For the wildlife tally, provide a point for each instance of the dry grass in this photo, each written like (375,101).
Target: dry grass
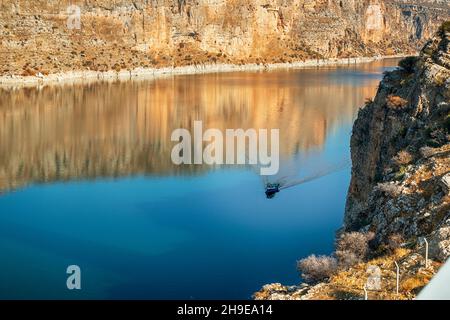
(349,284)
(415,284)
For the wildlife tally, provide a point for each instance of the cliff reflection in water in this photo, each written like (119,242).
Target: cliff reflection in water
(119,129)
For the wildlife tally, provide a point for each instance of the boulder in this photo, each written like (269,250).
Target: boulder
(445,183)
(439,248)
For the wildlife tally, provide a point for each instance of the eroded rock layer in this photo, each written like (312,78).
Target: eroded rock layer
(43,36)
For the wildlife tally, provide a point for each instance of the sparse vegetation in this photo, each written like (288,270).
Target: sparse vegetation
(415,283)
(440,79)
(403,158)
(395,241)
(317,268)
(347,258)
(396,102)
(349,283)
(352,248)
(401,172)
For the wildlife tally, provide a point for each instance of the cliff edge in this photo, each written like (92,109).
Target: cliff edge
(399,191)
(401,152)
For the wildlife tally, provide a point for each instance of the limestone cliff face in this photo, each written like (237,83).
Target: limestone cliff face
(38,36)
(401,152)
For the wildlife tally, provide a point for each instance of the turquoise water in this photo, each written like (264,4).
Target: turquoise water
(148,230)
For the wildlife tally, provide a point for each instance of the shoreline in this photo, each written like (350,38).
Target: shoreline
(72,77)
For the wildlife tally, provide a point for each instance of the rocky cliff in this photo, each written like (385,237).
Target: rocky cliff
(47,36)
(401,152)
(400,188)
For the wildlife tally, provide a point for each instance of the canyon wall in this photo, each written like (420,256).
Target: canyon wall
(47,36)
(401,153)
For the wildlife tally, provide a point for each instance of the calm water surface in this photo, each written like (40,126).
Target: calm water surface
(86,179)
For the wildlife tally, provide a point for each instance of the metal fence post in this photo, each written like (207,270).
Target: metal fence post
(426,252)
(398,276)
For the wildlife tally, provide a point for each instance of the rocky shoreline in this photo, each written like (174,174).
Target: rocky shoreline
(14,81)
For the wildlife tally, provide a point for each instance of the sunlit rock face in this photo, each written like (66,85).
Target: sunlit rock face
(121,34)
(374,26)
(119,129)
(400,152)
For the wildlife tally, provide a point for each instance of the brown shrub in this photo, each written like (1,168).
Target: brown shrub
(317,268)
(395,242)
(347,258)
(403,158)
(352,248)
(396,102)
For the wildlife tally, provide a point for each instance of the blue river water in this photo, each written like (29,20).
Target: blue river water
(139,227)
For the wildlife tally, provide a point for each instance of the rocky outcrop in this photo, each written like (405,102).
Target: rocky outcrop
(40,37)
(445,183)
(401,152)
(440,243)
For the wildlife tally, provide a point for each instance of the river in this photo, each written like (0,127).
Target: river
(86,179)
